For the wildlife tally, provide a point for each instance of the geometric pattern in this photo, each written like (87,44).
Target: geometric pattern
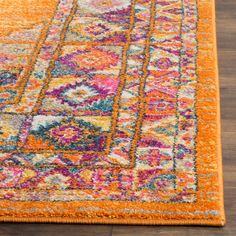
(66,134)
(109,110)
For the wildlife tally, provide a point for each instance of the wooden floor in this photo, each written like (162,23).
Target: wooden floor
(226,27)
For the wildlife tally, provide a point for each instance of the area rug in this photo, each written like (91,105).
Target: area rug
(109,112)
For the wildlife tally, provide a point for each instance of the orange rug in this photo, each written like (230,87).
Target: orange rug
(110,112)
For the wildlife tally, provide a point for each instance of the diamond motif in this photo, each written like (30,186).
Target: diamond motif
(68,134)
(74,94)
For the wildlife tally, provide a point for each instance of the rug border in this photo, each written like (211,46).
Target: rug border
(220,157)
(209,222)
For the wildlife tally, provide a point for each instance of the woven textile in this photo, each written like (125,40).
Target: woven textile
(109,112)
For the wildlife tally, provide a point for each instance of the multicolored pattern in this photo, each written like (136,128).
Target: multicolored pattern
(109,113)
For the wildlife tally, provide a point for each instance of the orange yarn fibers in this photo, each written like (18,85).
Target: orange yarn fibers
(110,112)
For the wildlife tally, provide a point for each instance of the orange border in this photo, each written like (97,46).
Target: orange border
(209,164)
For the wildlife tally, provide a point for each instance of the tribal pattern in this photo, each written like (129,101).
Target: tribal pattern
(110,103)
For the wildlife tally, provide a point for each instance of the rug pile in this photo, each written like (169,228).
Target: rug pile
(109,112)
